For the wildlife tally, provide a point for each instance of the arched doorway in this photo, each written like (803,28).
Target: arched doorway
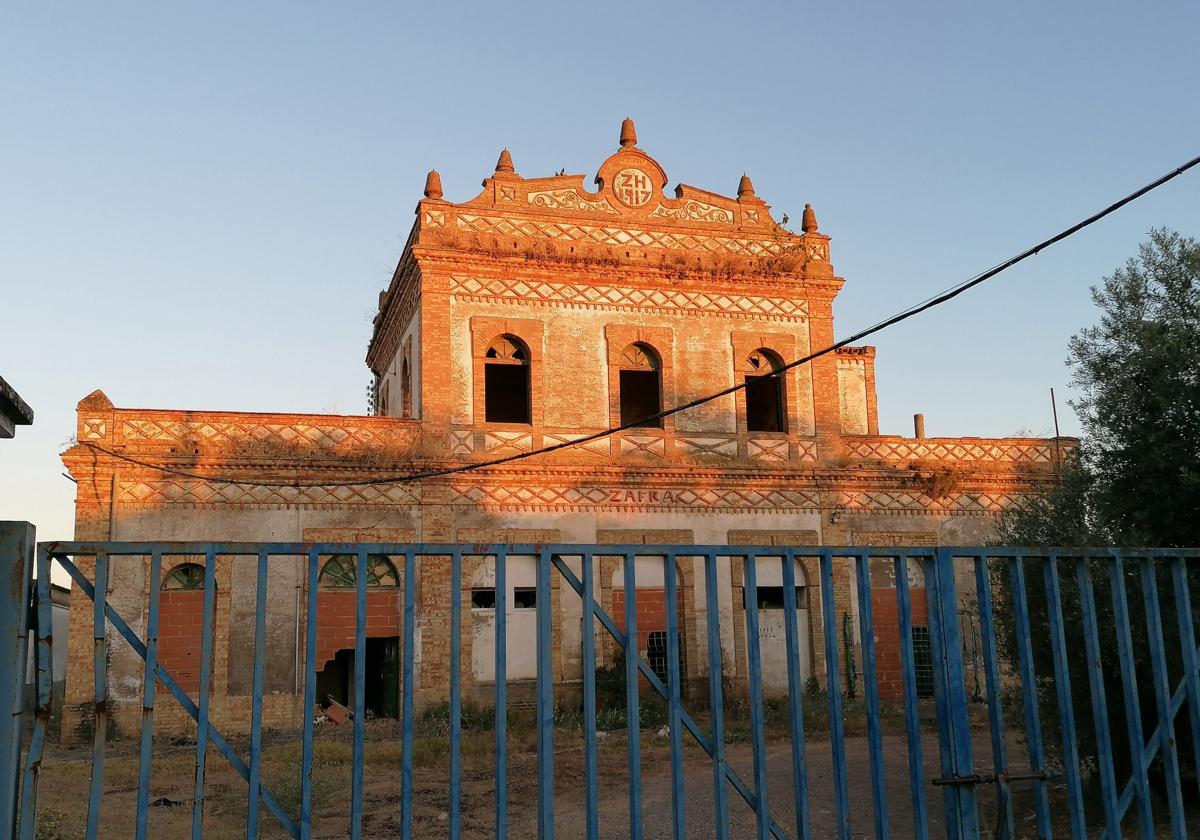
(336,617)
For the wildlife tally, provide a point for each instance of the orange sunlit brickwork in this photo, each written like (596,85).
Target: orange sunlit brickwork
(537,312)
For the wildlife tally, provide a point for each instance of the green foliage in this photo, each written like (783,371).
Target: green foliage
(1134,481)
(435,720)
(610,699)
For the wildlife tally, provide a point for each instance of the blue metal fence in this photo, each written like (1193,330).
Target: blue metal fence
(1052,777)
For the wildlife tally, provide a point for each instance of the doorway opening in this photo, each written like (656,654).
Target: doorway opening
(381,696)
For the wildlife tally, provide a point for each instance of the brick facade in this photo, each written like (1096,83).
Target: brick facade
(708,285)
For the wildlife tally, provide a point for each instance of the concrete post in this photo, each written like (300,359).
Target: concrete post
(18,541)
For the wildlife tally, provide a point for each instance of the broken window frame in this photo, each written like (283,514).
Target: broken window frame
(481,593)
(765,383)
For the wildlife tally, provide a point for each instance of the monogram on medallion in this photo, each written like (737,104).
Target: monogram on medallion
(633,187)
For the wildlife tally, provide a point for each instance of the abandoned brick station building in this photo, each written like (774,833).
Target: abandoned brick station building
(533,314)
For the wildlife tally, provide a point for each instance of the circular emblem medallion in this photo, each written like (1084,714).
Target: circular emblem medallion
(633,187)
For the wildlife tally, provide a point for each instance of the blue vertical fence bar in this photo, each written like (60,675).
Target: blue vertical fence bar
(716,701)
(100,681)
(591,772)
(310,695)
(912,710)
(37,741)
(758,740)
(149,683)
(833,690)
(862,565)
(18,542)
(260,655)
(1104,755)
(962,806)
(1187,641)
(202,723)
(406,710)
(633,721)
(501,696)
(545,699)
(795,696)
(361,563)
(1033,719)
(954,724)
(1162,697)
(1062,685)
(991,670)
(455,816)
(675,700)
(1133,710)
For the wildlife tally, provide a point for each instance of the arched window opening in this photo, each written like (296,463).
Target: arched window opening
(405,389)
(341,572)
(506,382)
(381,410)
(640,384)
(183,577)
(766,395)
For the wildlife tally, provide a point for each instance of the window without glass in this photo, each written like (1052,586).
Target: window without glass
(640,382)
(765,394)
(483,599)
(524,598)
(405,389)
(771,597)
(506,381)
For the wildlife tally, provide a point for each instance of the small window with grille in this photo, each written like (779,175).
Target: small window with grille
(922,661)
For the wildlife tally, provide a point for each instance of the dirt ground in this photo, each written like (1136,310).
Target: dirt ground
(66,772)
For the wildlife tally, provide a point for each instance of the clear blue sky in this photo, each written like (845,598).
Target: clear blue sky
(199,205)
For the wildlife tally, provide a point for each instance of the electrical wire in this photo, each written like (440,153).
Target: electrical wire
(911,312)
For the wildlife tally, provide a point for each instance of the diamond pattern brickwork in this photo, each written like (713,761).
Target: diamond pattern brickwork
(628,297)
(952,449)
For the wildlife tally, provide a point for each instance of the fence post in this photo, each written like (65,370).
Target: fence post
(17,543)
(954,722)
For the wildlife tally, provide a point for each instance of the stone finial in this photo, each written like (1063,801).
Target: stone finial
(808,223)
(505,163)
(628,133)
(745,186)
(433,184)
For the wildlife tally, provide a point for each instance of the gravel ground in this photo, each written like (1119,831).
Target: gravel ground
(65,774)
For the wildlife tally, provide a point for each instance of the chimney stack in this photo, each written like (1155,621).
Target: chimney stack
(919,426)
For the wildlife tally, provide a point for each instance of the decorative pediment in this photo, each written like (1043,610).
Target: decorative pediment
(630,184)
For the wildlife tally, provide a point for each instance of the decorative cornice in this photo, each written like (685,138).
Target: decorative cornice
(592,296)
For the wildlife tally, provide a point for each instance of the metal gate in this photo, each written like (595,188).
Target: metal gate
(993,762)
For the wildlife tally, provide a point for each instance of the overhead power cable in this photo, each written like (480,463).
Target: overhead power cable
(911,312)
